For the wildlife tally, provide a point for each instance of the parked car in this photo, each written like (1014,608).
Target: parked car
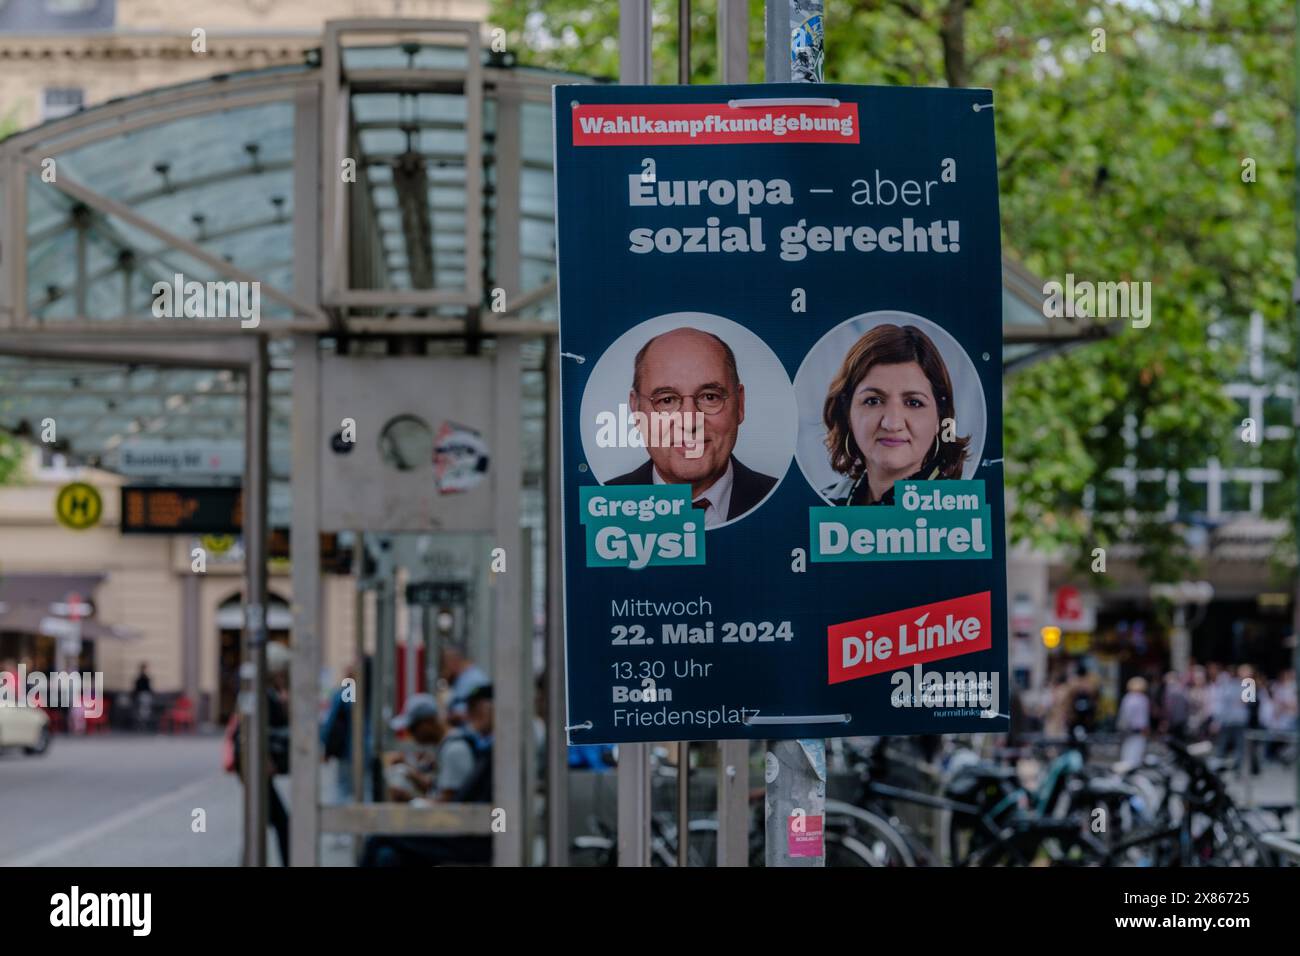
(26,727)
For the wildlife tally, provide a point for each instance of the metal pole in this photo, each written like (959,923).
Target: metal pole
(733,803)
(190,645)
(512,724)
(16,244)
(427,616)
(793,29)
(380,696)
(257,780)
(80,218)
(360,701)
(304,674)
(634,60)
(795,803)
(634,67)
(776,32)
(805,44)
(410,679)
(528,683)
(683,746)
(733,41)
(795,799)
(684,42)
(683,800)
(733,756)
(557,750)
(1295,318)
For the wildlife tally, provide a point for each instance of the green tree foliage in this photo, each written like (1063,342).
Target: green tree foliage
(1122,164)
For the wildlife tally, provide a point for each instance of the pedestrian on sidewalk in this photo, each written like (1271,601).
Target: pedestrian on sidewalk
(1134,721)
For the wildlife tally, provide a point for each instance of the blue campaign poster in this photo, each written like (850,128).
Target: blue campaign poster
(780,311)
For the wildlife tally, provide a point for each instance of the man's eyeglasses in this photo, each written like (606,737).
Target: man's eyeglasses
(710,401)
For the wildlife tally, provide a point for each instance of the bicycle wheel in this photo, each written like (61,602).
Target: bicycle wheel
(593,851)
(844,849)
(865,832)
(1229,840)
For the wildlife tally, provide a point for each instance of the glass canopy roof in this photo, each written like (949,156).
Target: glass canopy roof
(222,180)
(203,175)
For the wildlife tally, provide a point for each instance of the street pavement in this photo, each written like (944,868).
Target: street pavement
(119,800)
(130,800)
(127,800)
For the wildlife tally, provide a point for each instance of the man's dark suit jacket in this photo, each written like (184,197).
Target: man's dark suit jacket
(748,487)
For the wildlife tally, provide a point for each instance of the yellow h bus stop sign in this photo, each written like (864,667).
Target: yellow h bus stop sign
(78,506)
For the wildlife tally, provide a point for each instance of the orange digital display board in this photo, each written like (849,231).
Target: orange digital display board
(177,510)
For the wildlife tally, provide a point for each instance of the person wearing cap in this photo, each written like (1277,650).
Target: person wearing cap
(411,773)
(464,776)
(465,757)
(462,675)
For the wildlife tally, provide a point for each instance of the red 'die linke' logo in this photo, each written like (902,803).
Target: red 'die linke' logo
(917,635)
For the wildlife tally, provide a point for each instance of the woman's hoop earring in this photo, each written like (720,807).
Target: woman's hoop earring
(853,459)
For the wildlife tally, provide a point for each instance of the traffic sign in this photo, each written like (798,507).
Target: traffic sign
(78,506)
(154,458)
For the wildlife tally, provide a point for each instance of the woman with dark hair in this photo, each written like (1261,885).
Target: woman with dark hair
(885,413)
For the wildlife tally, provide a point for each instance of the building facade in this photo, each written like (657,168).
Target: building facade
(58,56)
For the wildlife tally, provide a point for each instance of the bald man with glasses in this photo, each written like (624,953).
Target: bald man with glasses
(687,371)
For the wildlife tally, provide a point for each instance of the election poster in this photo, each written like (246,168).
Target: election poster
(780,322)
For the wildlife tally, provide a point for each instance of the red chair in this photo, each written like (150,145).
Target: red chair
(179,716)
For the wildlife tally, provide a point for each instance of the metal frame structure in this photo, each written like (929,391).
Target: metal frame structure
(22,156)
(245,355)
(338,85)
(323,305)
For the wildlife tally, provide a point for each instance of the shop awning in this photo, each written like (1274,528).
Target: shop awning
(36,619)
(39,604)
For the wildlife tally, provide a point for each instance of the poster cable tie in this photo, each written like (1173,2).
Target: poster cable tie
(580,359)
(761,101)
(585,725)
(991,461)
(814,719)
(981,106)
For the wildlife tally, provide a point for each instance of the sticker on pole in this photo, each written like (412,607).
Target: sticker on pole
(804,835)
(781,411)
(460,458)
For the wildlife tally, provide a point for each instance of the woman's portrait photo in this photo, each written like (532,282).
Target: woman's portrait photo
(883,398)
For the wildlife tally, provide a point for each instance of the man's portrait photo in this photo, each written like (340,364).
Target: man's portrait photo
(691,414)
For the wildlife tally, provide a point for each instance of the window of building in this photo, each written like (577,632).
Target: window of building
(1277,411)
(1236,497)
(61,101)
(1193,497)
(68,7)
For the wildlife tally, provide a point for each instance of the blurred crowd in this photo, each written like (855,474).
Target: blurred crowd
(1248,715)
